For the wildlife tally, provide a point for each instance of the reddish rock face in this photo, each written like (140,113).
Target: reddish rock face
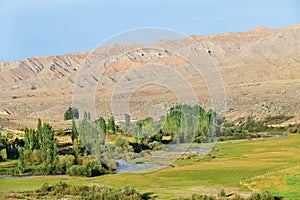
(260,71)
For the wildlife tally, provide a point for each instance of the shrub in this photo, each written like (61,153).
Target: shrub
(60,132)
(69,160)
(96,168)
(10,136)
(277,119)
(3,154)
(261,196)
(65,162)
(293,130)
(37,156)
(122,142)
(28,156)
(71,113)
(62,190)
(86,160)
(154,145)
(79,170)
(222,193)
(111,164)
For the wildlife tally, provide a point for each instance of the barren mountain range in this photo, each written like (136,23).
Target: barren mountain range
(260,70)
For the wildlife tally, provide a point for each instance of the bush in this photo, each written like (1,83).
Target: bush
(86,160)
(277,119)
(222,193)
(10,136)
(71,113)
(28,156)
(37,156)
(154,145)
(293,130)
(60,132)
(79,170)
(261,196)
(90,167)
(202,197)
(66,162)
(122,142)
(96,168)
(3,154)
(64,191)
(111,164)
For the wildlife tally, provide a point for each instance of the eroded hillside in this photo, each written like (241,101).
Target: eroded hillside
(260,71)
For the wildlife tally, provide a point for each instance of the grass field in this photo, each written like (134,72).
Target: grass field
(265,164)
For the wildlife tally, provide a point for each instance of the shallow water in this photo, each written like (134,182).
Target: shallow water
(197,149)
(124,166)
(32,176)
(184,148)
(275,135)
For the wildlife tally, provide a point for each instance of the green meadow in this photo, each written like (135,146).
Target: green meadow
(240,167)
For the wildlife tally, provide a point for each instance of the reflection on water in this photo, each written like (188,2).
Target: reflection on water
(184,148)
(123,166)
(275,135)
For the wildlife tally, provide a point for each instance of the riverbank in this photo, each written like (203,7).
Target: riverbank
(232,163)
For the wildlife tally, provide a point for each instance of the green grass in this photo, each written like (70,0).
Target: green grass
(284,182)
(8,163)
(234,161)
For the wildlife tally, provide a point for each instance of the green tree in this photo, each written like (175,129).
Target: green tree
(186,123)
(137,132)
(3,154)
(74,132)
(3,146)
(111,126)
(71,113)
(102,124)
(91,135)
(127,121)
(49,150)
(9,148)
(76,148)
(148,128)
(21,160)
(31,139)
(39,133)
(122,142)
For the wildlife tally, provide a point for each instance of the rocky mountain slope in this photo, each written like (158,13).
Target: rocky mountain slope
(260,70)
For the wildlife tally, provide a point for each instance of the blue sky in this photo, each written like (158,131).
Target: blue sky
(42,28)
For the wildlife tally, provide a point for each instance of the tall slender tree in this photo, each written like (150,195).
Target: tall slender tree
(31,140)
(102,124)
(127,122)
(39,133)
(111,126)
(74,135)
(21,160)
(49,150)
(102,130)
(91,135)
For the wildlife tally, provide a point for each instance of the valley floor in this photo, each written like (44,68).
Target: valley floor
(240,167)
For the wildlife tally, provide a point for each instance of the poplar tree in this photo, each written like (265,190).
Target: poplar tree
(74,135)
(49,150)
(111,126)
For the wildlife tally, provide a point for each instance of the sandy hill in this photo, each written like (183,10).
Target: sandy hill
(260,70)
